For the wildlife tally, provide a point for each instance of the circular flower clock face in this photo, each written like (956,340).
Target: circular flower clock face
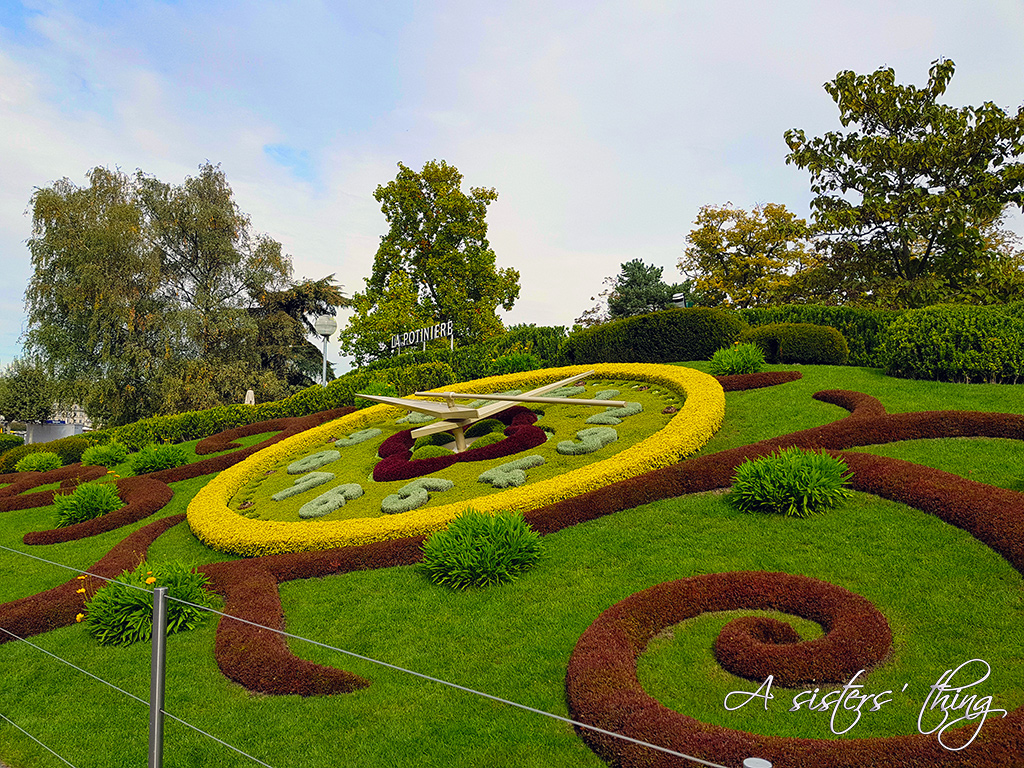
(365,477)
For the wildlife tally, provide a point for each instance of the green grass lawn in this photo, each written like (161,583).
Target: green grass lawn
(947,598)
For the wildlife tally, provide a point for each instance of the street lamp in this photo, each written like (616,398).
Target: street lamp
(325,325)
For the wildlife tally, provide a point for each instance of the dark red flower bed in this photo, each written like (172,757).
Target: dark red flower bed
(601,684)
(396,451)
(10,498)
(740,381)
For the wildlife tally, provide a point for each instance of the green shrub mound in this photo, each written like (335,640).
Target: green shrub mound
(380,388)
(863,329)
(590,440)
(430,452)
(333,499)
(42,461)
(303,484)
(801,343)
(121,613)
(69,449)
(313,461)
(514,363)
(956,343)
(89,500)
(477,550)
(489,439)
(357,437)
(511,473)
(109,455)
(414,494)
(10,441)
(737,359)
(157,456)
(485,426)
(791,482)
(437,438)
(659,337)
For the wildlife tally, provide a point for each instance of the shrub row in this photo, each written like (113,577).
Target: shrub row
(802,343)
(69,449)
(659,337)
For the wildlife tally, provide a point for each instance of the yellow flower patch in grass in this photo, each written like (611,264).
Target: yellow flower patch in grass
(223,529)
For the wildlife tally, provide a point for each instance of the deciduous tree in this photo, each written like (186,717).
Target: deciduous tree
(743,259)
(904,194)
(437,244)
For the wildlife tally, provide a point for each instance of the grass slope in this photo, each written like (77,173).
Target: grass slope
(514,641)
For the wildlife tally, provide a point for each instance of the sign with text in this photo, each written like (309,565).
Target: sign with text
(423,335)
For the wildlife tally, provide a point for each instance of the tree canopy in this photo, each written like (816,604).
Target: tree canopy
(26,392)
(743,259)
(434,263)
(148,298)
(904,196)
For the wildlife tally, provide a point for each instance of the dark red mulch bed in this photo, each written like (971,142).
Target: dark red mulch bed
(396,451)
(57,607)
(608,699)
(741,381)
(69,476)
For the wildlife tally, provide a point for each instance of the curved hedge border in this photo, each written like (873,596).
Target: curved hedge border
(148,493)
(222,529)
(10,498)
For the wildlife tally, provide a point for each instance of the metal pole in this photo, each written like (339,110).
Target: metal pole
(157,667)
(325,362)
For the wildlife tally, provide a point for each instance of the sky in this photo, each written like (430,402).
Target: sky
(604,126)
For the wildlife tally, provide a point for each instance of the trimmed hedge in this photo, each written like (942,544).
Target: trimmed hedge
(956,343)
(802,343)
(863,329)
(69,449)
(673,335)
(10,441)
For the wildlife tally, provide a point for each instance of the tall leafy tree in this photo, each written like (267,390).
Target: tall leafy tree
(26,392)
(904,194)
(93,312)
(746,259)
(437,244)
(147,297)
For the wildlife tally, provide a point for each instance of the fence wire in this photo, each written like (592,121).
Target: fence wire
(378,662)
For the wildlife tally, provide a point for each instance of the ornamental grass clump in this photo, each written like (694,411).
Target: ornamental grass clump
(121,613)
(41,461)
(157,456)
(791,482)
(739,358)
(89,500)
(477,549)
(109,455)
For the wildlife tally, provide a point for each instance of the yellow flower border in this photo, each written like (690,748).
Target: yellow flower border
(225,530)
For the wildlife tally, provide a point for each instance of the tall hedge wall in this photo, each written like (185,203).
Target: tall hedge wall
(672,335)
(863,329)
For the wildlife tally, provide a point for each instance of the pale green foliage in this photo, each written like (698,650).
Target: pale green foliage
(743,259)
(40,461)
(157,456)
(121,613)
(88,500)
(109,455)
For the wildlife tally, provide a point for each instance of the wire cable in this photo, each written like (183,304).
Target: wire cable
(37,741)
(570,721)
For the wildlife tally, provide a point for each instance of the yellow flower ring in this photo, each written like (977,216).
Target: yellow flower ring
(225,530)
